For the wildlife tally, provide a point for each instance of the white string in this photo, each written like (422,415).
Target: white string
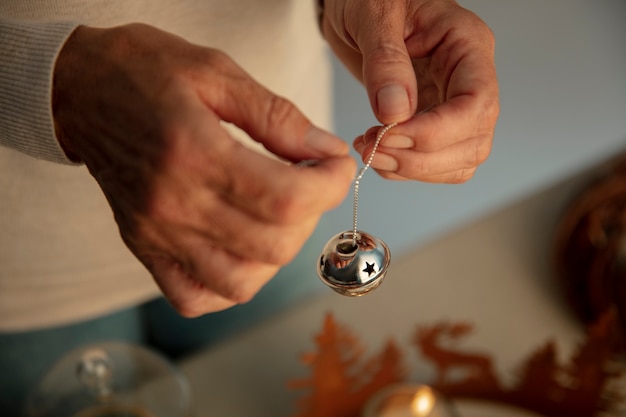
(357,179)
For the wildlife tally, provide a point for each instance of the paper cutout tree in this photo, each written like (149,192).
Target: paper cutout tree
(341,382)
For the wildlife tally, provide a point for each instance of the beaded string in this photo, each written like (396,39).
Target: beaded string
(357,179)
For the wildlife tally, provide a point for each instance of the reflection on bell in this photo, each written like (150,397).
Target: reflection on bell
(353,270)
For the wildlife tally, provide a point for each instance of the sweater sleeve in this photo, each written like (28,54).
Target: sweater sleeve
(28,51)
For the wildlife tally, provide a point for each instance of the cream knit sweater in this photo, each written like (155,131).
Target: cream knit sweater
(61,257)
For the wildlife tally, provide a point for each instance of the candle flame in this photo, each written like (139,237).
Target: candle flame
(423,402)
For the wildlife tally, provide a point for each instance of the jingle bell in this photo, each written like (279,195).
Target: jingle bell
(353,267)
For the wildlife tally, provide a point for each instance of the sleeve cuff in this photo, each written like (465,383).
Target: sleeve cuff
(28,52)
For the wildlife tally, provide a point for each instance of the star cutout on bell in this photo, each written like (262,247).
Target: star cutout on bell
(369,268)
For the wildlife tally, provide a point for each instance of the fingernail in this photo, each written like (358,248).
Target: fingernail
(393,101)
(391,141)
(325,143)
(384,162)
(398,142)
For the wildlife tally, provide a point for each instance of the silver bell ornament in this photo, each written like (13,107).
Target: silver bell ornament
(353,265)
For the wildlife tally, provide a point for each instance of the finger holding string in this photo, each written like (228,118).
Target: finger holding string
(443,158)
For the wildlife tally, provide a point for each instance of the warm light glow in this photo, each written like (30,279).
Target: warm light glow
(423,402)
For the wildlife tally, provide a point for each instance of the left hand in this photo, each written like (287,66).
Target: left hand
(212,220)
(411,55)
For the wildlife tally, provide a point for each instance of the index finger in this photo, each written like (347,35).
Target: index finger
(379,29)
(274,191)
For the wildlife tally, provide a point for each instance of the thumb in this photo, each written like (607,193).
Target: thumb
(388,73)
(270,119)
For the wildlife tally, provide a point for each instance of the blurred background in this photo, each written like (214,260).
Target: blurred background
(562,74)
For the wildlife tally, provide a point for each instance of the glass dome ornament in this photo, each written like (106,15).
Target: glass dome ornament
(111,379)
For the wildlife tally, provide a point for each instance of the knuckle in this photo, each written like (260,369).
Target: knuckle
(490,112)
(488,37)
(121,37)
(281,250)
(481,152)
(472,22)
(287,208)
(242,294)
(214,67)
(462,176)
(160,208)
(192,304)
(155,211)
(429,139)
(214,58)
(419,168)
(279,111)
(389,53)
(188,310)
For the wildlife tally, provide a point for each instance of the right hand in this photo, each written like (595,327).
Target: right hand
(411,55)
(212,221)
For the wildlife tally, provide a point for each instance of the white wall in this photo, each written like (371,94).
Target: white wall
(562,71)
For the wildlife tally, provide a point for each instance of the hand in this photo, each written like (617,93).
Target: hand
(211,220)
(411,55)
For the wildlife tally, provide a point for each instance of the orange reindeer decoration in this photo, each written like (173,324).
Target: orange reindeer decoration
(430,341)
(342,380)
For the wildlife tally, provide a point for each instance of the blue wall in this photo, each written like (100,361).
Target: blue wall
(562,71)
